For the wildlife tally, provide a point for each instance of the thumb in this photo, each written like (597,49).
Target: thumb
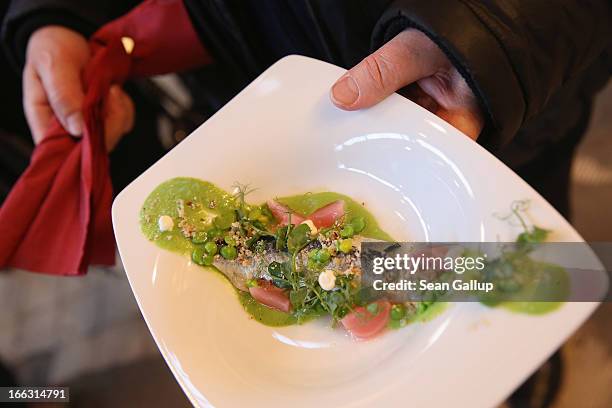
(407,57)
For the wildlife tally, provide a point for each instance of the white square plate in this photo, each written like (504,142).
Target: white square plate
(423,180)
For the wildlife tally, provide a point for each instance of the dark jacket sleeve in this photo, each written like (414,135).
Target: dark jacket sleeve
(23,17)
(514,54)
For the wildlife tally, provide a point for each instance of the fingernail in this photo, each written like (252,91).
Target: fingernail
(75,124)
(345,91)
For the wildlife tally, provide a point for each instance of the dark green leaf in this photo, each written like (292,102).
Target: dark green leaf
(281,238)
(281,283)
(276,269)
(298,237)
(297,297)
(535,236)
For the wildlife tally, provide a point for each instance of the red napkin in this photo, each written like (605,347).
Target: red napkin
(57,218)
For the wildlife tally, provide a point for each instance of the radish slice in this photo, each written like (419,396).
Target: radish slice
(281,213)
(364,325)
(326,216)
(322,218)
(268,294)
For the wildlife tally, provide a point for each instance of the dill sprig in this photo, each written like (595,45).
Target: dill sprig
(531,234)
(241,191)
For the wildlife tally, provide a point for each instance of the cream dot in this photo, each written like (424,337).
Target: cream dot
(327,279)
(165,223)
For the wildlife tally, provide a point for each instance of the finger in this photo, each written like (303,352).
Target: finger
(64,89)
(409,56)
(416,94)
(456,103)
(466,121)
(119,116)
(35,105)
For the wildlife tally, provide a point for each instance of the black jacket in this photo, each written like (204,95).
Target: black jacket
(534,64)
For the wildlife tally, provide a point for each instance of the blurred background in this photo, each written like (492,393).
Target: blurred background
(87,333)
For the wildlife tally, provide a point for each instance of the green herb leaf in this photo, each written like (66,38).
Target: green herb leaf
(527,240)
(276,269)
(298,238)
(281,283)
(281,238)
(297,297)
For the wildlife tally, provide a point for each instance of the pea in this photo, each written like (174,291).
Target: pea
(398,312)
(322,256)
(346,245)
(358,224)
(229,252)
(211,248)
(199,237)
(275,269)
(208,260)
(229,240)
(347,232)
(215,233)
(197,255)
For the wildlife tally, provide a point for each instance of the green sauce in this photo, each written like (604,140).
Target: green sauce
(263,314)
(310,202)
(197,197)
(557,287)
(433,311)
(541,280)
(199,202)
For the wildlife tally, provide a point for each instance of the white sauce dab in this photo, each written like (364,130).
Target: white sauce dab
(165,223)
(327,279)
